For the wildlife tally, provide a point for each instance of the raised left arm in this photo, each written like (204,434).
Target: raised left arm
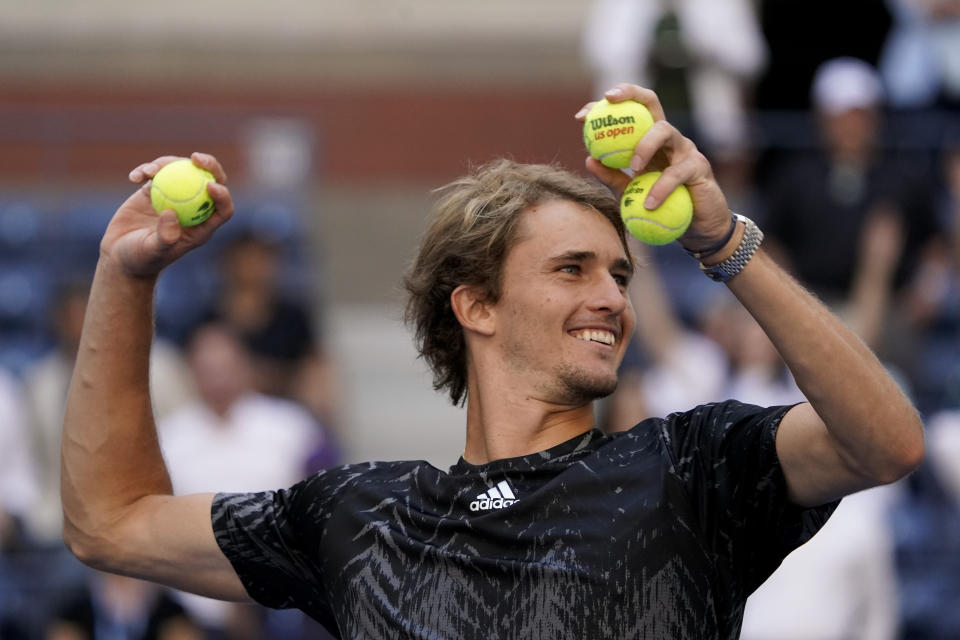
(858,429)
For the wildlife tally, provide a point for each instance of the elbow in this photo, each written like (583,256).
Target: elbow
(86,548)
(911,458)
(905,458)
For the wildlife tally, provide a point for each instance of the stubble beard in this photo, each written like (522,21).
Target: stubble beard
(569,384)
(579,387)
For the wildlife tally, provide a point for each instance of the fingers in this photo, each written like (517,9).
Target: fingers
(147,170)
(223,209)
(661,136)
(614,178)
(624,91)
(168,229)
(671,178)
(208,162)
(646,97)
(580,115)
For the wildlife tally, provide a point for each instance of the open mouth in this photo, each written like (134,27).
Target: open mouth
(601,336)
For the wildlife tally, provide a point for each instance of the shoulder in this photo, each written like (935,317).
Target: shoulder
(715,430)
(726,415)
(315,498)
(394,474)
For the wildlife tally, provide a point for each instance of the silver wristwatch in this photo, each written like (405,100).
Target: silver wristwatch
(733,265)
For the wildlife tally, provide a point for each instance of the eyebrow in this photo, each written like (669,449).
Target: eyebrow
(620,264)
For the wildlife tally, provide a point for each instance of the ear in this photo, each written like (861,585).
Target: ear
(472,312)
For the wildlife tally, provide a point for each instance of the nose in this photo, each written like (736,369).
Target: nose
(608,296)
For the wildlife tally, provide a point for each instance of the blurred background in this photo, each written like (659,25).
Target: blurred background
(834,125)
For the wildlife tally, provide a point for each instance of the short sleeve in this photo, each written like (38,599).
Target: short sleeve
(725,457)
(272,539)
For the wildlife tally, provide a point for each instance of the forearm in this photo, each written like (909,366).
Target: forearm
(110,453)
(870,422)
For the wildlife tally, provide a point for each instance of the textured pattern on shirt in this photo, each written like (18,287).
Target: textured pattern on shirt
(659,532)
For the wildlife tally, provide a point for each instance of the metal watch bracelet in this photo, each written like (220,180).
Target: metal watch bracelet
(733,265)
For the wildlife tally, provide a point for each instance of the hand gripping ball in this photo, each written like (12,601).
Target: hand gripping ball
(657,226)
(182,186)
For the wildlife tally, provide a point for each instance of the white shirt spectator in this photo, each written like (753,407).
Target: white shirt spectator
(261,443)
(18,486)
(840,585)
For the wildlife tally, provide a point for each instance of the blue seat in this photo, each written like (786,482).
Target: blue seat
(25,291)
(21,227)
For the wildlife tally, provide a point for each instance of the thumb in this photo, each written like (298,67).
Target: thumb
(613,178)
(168,229)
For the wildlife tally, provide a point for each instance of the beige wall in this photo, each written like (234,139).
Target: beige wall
(287,40)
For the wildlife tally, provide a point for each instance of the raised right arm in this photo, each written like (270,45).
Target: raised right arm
(119,511)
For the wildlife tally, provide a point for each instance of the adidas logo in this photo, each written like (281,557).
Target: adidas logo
(498,497)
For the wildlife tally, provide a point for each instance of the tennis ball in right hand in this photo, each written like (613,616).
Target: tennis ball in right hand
(182,186)
(612,130)
(657,226)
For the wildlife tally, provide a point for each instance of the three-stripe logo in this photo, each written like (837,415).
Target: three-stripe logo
(498,497)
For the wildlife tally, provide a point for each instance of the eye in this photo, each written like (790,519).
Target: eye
(572,269)
(621,279)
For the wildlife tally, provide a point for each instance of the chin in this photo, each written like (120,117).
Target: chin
(580,387)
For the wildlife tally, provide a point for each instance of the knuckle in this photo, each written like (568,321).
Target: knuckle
(663,127)
(702,164)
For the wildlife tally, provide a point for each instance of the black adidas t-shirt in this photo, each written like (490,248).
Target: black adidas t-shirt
(660,532)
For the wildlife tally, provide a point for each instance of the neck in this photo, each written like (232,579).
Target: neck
(506,421)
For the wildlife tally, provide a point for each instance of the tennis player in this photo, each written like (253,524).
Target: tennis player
(546,527)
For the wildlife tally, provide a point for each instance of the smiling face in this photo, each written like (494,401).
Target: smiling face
(564,318)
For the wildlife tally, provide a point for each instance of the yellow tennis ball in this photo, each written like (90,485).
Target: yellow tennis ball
(612,130)
(182,186)
(662,225)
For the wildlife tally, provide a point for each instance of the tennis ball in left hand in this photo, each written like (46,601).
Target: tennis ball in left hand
(182,186)
(657,226)
(612,130)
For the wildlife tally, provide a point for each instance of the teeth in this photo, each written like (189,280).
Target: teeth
(595,335)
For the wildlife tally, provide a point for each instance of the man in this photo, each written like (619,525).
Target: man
(546,527)
(824,204)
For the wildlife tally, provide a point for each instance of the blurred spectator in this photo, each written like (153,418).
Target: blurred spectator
(726,355)
(669,367)
(934,304)
(755,372)
(18,491)
(649,42)
(921,57)
(43,573)
(119,608)
(849,193)
(233,439)
(46,382)
(18,487)
(841,585)
(278,331)
(927,527)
